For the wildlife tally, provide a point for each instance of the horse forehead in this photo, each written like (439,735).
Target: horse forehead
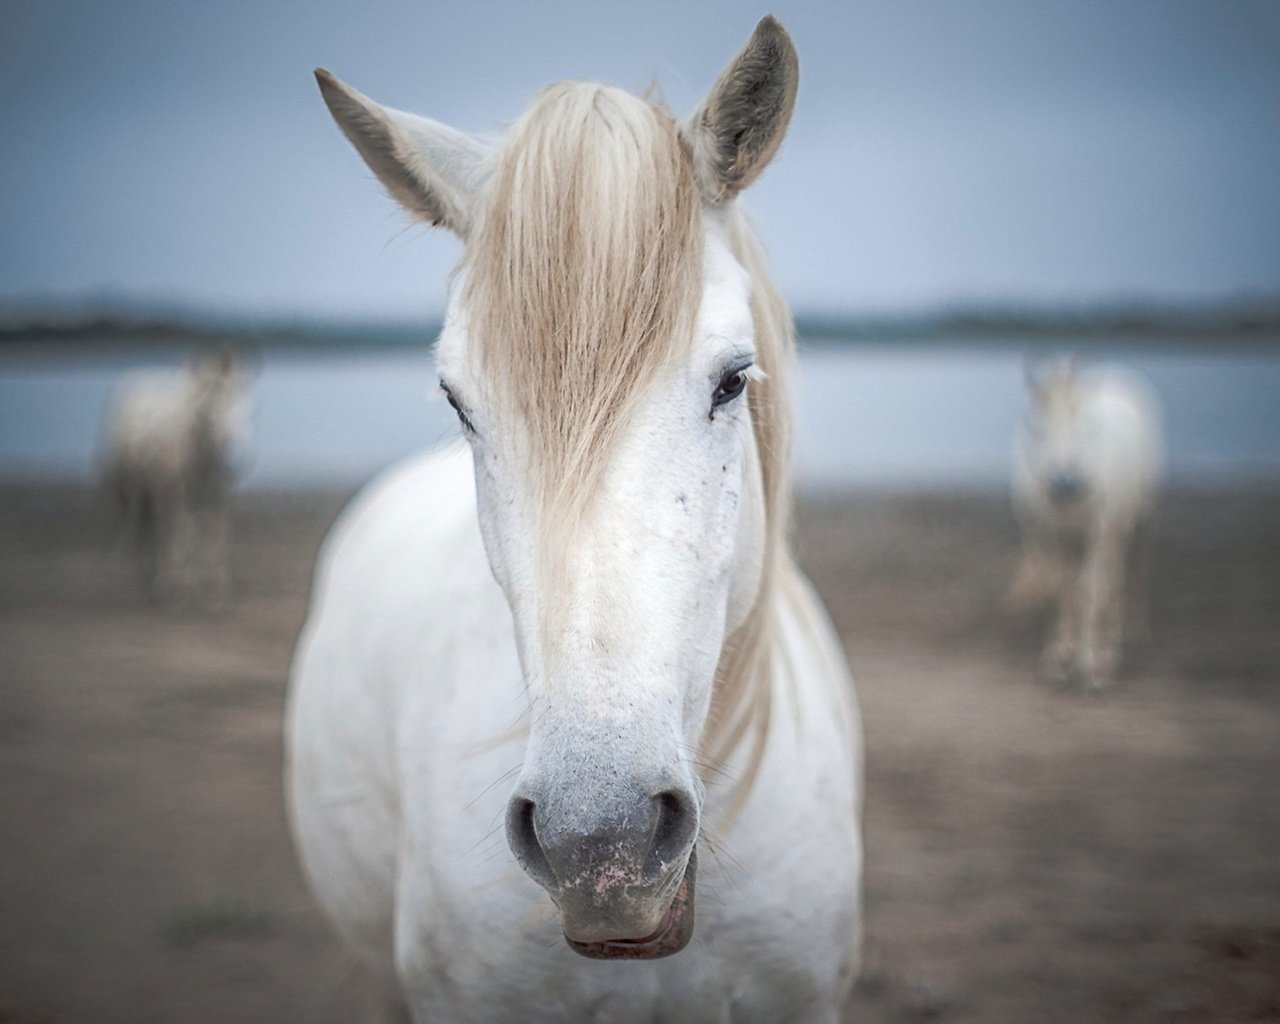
(725,309)
(451,345)
(724,312)
(1060,402)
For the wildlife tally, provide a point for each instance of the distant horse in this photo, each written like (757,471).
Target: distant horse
(171,437)
(1085,480)
(584,621)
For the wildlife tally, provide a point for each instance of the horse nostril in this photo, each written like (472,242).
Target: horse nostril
(522,837)
(643,842)
(675,829)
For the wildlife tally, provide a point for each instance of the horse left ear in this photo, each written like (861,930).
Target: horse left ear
(740,125)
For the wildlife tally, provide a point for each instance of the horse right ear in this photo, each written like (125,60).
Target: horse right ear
(740,125)
(430,169)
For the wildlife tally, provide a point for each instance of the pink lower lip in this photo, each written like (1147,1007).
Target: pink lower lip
(673,932)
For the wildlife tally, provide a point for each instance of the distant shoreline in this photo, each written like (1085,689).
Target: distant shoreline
(1240,326)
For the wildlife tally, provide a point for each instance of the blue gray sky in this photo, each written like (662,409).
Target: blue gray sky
(942,151)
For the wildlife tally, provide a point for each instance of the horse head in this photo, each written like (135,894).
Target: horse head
(1058,436)
(615,356)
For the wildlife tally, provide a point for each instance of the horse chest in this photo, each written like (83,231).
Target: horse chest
(479,941)
(531,977)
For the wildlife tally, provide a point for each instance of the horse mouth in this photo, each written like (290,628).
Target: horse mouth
(672,934)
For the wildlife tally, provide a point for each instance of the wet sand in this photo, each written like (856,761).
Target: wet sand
(1034,854)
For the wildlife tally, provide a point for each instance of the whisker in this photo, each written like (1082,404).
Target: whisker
(498,781)
(482,840)
(722,855)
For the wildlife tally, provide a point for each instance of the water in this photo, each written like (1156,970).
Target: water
(944,415)
(905,415)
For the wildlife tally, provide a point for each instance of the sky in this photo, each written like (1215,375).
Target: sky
(942,152)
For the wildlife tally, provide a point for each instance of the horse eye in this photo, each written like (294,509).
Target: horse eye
(730,387)
(462,415)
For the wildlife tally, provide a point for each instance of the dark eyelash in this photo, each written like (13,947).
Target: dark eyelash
(463,418)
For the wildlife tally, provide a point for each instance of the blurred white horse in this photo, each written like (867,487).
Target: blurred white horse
(585,621)
(1085,481)
(172,435)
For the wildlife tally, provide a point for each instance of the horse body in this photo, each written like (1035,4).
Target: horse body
(169,471)
(585,620)
(1085,485)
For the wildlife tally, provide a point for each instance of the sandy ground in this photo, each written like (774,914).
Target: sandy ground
(1034,855)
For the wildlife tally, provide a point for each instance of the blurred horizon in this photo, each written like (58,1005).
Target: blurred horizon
(176,156)
(1251,318)
(84,311)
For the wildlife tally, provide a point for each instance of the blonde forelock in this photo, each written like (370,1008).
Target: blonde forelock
(584,276)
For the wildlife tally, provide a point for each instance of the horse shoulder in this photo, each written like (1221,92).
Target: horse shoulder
(385,577)
(1126,412)
(381,586)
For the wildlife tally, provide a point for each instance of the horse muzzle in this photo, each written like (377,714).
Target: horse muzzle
(1066,488)
(622,875)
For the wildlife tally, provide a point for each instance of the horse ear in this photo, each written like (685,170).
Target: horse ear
(738,128)
(430,169)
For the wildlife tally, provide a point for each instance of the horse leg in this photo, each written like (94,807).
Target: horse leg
(115,500)
(1038,576)
(1139,590)
(173,541)
(120,502)
(144,533)
(1060,656)
(1102,588)
(204,576)
(217,542)
(186,537)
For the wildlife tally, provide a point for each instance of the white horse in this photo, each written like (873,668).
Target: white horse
(171,438)
(1085,481)
(584,622)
